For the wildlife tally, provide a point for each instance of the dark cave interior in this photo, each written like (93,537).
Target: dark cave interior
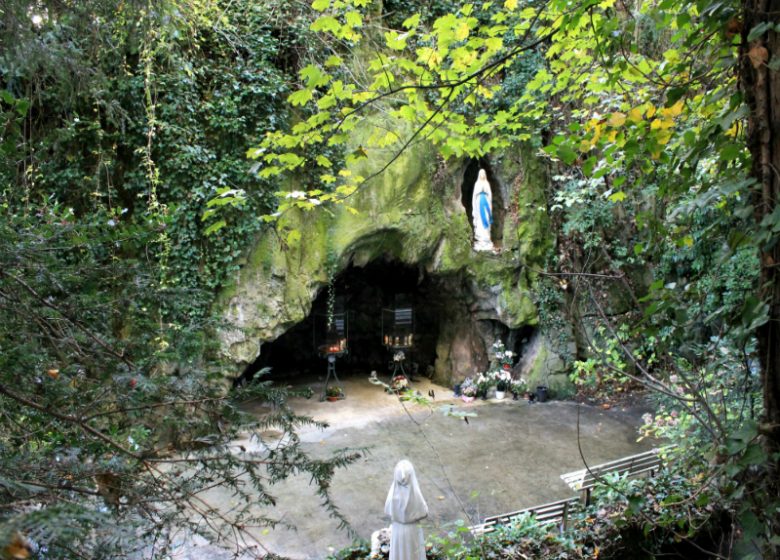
(365,292)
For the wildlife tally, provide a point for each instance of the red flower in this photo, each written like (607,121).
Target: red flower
(507,366)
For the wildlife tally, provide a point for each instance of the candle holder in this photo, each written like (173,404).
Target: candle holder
(398,331)
(331,335)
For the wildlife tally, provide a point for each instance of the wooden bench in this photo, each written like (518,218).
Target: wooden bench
(554,512)
(585,479)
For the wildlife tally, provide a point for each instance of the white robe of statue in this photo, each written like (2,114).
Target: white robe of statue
(482,213)
(406,507)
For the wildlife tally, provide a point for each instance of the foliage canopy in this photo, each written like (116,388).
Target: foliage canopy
(125,204)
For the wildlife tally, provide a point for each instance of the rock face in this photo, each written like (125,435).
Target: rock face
(413,213)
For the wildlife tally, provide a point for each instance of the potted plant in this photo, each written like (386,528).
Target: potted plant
(501,368)
(483,384)
(503,382)
(503,358)
(468,390)
(334,393)
(519,388)
(399,383)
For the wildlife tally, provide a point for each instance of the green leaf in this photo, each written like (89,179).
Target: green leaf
(759,30)
(215,227)
(754,313)
(326,24)
(333,60)
(617,197)
(731,151)
(320,5)
(314,76)
(411,22)
(752,527)
(353,19)
(754,455)
(566,154)
(395,41)
(672,499)
(300,97)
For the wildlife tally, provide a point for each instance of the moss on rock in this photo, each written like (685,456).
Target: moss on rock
(400,215)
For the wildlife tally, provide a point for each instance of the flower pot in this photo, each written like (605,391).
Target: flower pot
(333,399)
(500,395)
(467,399)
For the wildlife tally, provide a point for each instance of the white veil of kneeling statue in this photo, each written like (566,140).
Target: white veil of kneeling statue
(406,507)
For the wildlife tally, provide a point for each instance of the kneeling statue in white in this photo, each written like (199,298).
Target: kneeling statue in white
(406,507)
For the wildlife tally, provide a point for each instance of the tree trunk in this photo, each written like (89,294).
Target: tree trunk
(761,87)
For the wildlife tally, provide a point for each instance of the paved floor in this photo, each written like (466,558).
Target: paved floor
(508,457)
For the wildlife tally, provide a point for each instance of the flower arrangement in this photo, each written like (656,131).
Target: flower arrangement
(334,391)
(503,380)
(399,356)
(468,388)
(519,387)
(484,382)
(500,367)
(399,383)
(502,358)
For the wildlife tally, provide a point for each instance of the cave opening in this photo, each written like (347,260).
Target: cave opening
(467,190)
(365,292)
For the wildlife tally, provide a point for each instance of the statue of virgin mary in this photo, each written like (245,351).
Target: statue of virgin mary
(406,507)
(482,213)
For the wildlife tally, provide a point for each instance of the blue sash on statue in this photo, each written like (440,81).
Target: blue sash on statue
(484,210)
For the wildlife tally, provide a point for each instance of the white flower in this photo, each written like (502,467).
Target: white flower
(315,201)
(295,194)
(509,353)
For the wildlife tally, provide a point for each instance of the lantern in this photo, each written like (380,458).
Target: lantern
(330,336)
(398,331)
(398,324)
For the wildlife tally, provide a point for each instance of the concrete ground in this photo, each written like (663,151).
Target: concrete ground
(509,457)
